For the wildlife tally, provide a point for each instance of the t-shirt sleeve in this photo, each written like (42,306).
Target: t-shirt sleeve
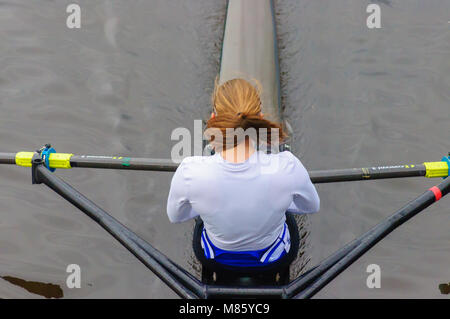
(305,197)
(179,208)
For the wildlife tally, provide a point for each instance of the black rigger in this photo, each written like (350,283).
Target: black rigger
(187,286)
(183,283)
(372,237)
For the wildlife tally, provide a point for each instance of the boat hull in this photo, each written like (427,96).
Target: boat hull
(249,50)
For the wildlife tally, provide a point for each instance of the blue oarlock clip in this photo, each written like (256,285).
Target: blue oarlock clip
(447,159)
(45,154)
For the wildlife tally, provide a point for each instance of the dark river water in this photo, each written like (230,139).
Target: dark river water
(138,69)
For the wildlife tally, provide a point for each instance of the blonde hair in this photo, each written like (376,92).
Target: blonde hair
(237,105)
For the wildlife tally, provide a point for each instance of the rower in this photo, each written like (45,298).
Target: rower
(241,194)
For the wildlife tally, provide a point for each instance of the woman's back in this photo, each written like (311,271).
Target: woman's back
(243,204)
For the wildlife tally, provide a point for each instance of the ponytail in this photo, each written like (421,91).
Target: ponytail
(237,109)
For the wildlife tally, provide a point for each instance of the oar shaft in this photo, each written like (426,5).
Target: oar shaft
(119,162)
(358,174)
(7,158)
(320,176)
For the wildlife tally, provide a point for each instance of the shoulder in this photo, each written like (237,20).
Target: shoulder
(290,162)
(195,163)
(286,157)
(276,163)
(198,160)
(291,158)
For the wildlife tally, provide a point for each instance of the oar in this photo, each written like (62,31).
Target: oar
(376,234)
(66,160)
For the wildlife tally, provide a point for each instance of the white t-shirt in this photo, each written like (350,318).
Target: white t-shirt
(242,205)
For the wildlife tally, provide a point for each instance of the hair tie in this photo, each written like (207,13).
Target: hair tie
(243,116)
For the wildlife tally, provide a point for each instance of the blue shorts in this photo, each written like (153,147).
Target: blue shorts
(255,258)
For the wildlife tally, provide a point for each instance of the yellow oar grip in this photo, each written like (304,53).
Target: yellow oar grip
(24,159)
(56,160)
(436,169)
(60,160)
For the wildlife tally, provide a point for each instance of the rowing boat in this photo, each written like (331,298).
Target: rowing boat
(249,48)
